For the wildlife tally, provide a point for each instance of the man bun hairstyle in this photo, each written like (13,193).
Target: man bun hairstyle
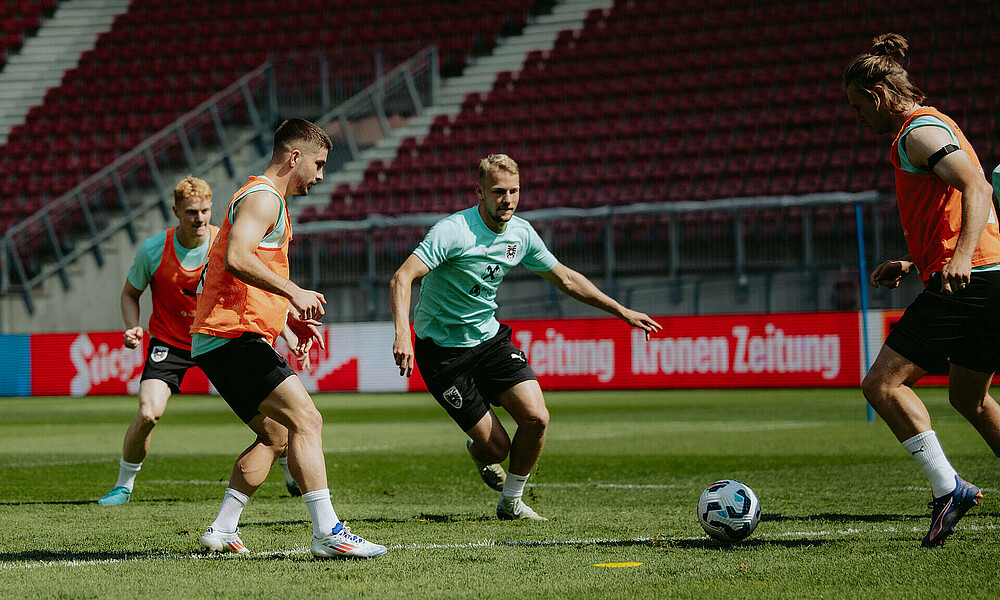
(885,64)
(294,132)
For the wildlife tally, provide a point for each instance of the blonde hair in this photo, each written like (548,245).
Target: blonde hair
(192,188)
(494,163)
(884,65)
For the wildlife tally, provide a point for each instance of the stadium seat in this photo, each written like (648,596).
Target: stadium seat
(96,100)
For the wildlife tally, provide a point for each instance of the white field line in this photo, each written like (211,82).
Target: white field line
(197,482)
(9,566)
(581,484)
(575,484)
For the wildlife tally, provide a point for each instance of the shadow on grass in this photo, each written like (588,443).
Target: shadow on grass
(710,544)
(94,502)
(422,518)
(843,518)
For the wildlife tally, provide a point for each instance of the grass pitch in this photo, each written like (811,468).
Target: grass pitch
(844,507)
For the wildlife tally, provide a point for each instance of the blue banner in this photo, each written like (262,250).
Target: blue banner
(15,365)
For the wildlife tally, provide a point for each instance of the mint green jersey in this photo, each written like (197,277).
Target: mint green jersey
(147,258)
(468,261)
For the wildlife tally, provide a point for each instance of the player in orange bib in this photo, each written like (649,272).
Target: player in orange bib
(170,264)
(243,301)
(946,209)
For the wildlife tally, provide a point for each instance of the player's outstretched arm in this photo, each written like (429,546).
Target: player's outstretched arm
(577,286)
(130,315)
(255,215)
(400,288)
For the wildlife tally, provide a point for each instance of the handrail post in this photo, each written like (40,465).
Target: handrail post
(126,209)
(161,188)
(50,231)
(88,218)
(220,132)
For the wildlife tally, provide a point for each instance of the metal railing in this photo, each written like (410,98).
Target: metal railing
(110,200)
(387,104)
(671,247)
(211,135)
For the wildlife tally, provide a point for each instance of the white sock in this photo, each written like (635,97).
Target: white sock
(924,447)
(513,487)
(283,461)
(324,518)
(232,507)
(126,473)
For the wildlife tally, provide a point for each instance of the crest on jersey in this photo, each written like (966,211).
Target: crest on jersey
(159,353)
(453,396)
(511,251)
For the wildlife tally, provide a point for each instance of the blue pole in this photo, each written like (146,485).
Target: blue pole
(859,222)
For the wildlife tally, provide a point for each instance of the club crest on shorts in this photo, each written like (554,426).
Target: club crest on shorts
(453,396)
(159,353)
(511,251)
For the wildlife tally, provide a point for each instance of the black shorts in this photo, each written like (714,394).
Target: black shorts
(961,328)
(463,380)
(245,371)
(166,363)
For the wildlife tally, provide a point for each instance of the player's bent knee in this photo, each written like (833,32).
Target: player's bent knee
(873,388)
(148,418)
(307,422)
(969,406)
(536,421)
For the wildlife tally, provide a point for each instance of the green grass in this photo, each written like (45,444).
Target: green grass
(844,506)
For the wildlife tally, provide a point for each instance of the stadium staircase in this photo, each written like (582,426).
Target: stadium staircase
(665,101)
(45,57)
(635,102)
(142,75)
(478,77)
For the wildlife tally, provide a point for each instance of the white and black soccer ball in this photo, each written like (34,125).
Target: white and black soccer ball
(728,511)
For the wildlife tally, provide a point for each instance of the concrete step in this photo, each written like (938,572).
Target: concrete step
(478,76)
(45,57)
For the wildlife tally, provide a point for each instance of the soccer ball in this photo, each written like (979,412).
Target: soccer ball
(728,511)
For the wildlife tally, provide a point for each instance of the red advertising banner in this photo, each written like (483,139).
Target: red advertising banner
(93,364)
(720,351)
(820,349)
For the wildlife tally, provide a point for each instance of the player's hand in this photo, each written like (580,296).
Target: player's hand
(302,353)
(956,274)
(307,305)
(642,321)
(890,273)
(133,337)
(305,330)
(402,352)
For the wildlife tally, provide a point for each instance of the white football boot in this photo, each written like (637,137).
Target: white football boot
(220,541)
(341,543)
(509,511)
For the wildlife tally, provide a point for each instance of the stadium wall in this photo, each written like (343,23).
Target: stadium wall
(775,350)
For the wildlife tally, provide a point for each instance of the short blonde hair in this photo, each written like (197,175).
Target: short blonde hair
(192,188)
(494,163)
